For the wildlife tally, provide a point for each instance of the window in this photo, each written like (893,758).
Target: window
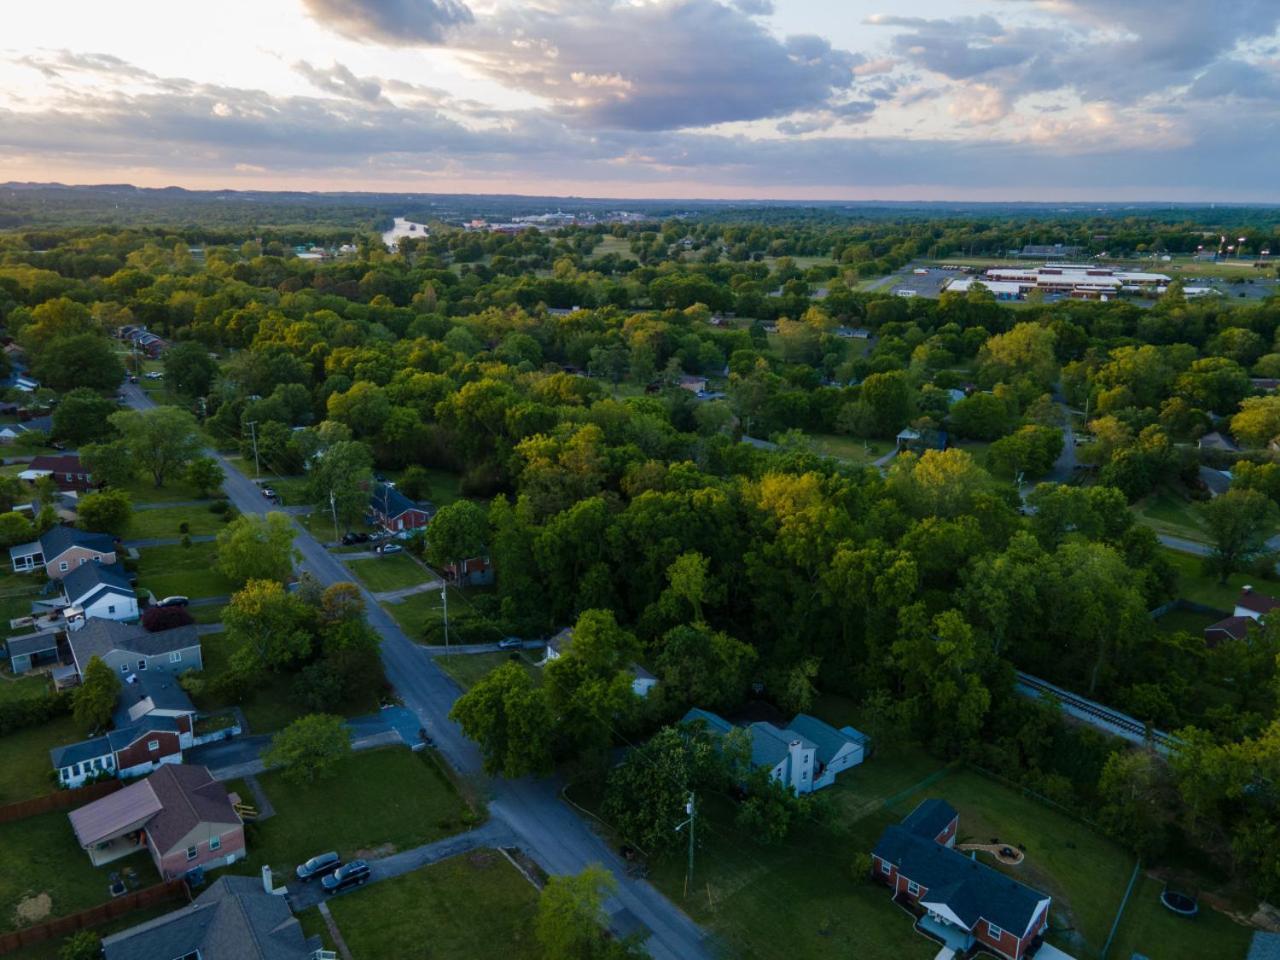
(913,888)
(884,867)
(215,843)
(153,745)
(111,608)
(63,566)
(83,561)
(175,656)
(993,931)
(124,668)
(142,661)
(97,558)
(191,853)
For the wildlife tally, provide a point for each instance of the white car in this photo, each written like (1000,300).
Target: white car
(153,375)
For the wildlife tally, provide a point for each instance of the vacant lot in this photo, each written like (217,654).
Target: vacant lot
(189,571)
(394,572)
(413,613)
(25,769)
(1148,928)
(175,489)
(380,801)
(39,856)
(470,668)
(473,907)
(167,522)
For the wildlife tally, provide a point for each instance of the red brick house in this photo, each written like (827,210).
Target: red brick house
(394,512)
(181,815)
(66,471)
(957,900)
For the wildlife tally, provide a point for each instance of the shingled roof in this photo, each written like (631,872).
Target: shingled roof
(88,580)
(99,637)
(57,540)
(188,796)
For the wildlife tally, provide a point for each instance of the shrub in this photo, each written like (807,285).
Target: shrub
(33,711)
(165,618)
(219,506)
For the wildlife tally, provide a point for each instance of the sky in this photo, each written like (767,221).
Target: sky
(719,99)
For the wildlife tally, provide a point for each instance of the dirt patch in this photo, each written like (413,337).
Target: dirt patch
(376,853)
(1003,852)
(33,909)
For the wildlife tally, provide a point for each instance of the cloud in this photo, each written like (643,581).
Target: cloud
(669,64)
(392,22)
(339,80)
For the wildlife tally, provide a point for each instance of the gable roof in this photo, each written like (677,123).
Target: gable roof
(929,818)
(64,463)
(33,643)
(59,539)
(144,693)
(189,796)
(90,580)
(112,741)
(825,737)
(390,502)
(235,919)
(713,721)
(560,642)
(770,746)
(72,753)
(1237,628)
(99,637)
(971,890)
(111,815)
(1250,599)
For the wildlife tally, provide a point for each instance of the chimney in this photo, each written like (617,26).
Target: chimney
(266,878)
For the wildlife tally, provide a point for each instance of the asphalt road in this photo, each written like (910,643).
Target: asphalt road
(544,826)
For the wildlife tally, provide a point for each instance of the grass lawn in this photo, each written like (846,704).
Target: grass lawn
(313,925)
(143,490)
(849,449)
(1167,512)
(610,244)
(1185,621)
(40,855)
(468,669)
(379,801)
(1084,872)
(473,907)
(393,572)
(207,613)
(413,613)
(16,594)
(188,571)
(25,770)
(22,688)
(1150,929)
(167,522)
(1194,584)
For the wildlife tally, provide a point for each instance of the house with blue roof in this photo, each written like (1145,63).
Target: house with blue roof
(99,590)
(957,900)
(805,755)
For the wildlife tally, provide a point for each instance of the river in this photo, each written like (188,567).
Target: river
(403,228)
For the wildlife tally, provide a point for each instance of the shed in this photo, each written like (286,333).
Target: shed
(31,651)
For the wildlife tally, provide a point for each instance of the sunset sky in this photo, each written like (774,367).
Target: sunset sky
(788,99)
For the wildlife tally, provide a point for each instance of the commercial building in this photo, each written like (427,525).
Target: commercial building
(1080,281)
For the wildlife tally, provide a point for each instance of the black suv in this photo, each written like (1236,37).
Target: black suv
(352,874)
(316,866)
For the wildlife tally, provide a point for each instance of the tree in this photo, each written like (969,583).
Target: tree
(156,619)
(85,360)
(161,440)
(94,701)
(458,531)
(257,548)
(1031,450)
(1239,523)
(572,924)
(310,748)
(1258,422)
(15,529)
(82,416)
(938,483)
(109,463)
(1134,790)
(688,575)
(189,369)
(107,511)
(85,945)
(205,475)
(415,483)
(982,416)
(1214,383)
(268,626)
(510,719)
(706,667)
(343,471)
(1025,351)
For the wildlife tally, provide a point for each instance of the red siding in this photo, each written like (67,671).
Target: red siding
(175,863)
(137,751)
(949,834)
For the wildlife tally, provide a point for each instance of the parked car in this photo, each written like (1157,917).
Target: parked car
(133,378)
(268,493)
(175,601)
(352,874)
(390,548)
(154,375)
(510,643)
(318,866)
(350,538)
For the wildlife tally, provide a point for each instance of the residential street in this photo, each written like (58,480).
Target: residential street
(545,827)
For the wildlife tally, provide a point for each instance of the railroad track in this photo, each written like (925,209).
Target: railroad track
(1099,716)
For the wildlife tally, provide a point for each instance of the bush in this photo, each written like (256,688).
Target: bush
(184,527)
(31,712)
(84,945)
(219,506)
(155,619)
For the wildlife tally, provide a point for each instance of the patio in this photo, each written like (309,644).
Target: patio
(117,847)
(950,935)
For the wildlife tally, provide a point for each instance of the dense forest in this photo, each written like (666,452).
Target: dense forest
(556,374)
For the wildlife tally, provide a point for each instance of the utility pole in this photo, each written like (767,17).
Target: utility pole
(333,508)
(444,598)
(691,810)
(253,431)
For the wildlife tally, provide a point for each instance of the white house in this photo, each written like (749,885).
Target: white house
(1254,605)
(642,680)
(98,590)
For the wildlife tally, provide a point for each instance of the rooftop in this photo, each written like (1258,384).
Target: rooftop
(58,539)
(99,637)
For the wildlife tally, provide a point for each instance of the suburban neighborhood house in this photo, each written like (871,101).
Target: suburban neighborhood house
(393,511)
(66,470)
(154,723)
(98,590)
(958,900)
(181,815)
(805,756)
(61,550)
(129,648)
(1250,608)
(642,681)
(235,919)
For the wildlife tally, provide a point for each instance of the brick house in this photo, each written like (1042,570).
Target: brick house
(67,471)
(61,550)
(181,815)
(395,512)
(957,900)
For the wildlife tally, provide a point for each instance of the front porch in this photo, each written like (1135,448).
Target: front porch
(117,847)
(951,936)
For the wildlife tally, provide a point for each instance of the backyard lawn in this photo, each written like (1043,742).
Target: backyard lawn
(393,572)
(25,770)
(378,802)
(1185,621)
(39,857)
(167,522)
(1168,512)
(1148,928)
(22,688)
(1196,585)
(472,907)
(468,669)
(848,449)
(188,571)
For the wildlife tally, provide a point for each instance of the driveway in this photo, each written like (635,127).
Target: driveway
(545,827)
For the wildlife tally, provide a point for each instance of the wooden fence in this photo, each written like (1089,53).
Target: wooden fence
(111,910)
(58,800)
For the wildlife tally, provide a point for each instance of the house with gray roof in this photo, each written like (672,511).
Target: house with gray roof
(62,549)
(104,591)
(956,899)
(32,650)
(235,919)
(131,648)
